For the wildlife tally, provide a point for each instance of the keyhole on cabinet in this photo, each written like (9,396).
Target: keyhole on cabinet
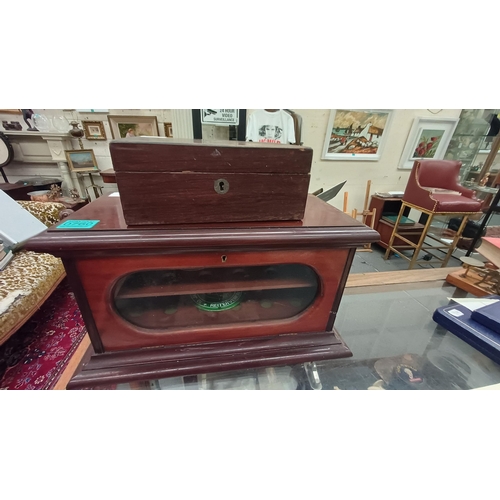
(224,258)
(221,186)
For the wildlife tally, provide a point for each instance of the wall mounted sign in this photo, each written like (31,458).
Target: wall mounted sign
(222,117)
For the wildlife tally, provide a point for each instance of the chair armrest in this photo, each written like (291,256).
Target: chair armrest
(469,193)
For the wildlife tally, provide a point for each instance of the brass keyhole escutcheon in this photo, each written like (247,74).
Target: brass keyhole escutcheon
(221,186)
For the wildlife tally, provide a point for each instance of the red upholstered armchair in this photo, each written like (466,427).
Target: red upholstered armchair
(429,175)
(433,189)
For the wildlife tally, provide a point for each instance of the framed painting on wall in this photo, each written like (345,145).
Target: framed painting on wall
(356,134)
(94,131)
(82,160)
(132,126)
(428,139)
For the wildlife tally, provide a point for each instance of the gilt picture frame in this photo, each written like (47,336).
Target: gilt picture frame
(82,160)
(428,139)
(94,130)
(133,126)
(168,129)
(356,134)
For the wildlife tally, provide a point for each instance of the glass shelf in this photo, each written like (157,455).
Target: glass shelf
(470,141)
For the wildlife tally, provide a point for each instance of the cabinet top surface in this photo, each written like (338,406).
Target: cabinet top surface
(108,211)
(323,226)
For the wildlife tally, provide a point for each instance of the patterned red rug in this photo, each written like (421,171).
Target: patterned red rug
(36,355)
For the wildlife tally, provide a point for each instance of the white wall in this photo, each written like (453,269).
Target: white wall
(383,174)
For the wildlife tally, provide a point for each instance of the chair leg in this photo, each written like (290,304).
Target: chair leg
(453,245)
(394,231)
(421,241)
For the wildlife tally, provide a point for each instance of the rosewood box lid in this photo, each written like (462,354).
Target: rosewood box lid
(172,181)
(162,154)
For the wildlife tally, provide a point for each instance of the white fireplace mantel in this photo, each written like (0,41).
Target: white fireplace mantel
(39,147)
(42,148)
(24,133)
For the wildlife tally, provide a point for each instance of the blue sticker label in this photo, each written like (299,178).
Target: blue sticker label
(78,224)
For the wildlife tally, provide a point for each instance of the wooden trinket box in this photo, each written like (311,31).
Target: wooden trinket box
(175,181)
(188,299)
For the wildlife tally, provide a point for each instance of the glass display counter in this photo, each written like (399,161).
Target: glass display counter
(395,343)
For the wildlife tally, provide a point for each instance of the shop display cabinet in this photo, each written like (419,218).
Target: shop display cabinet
(470,143)
(181,300)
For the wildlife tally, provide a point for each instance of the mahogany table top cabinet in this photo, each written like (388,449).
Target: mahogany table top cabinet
(162,301)
(175,181)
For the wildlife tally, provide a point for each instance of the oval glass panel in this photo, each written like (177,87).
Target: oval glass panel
(164,299)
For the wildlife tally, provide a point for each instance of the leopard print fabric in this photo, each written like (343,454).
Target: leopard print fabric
(30,276)
(46,212)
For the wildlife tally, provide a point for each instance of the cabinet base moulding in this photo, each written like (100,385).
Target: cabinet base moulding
(193,359)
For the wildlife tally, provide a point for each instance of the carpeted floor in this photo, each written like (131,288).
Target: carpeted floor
(36,355)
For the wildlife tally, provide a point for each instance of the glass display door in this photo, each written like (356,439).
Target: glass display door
(162,299)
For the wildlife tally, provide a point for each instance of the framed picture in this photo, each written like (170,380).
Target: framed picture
(94,131)
(356,134)
(168,129)
(428,139)
(82,160)
(133,126)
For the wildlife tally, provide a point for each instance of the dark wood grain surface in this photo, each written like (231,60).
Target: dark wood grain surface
(178,198)
(199,155)
(164,181)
